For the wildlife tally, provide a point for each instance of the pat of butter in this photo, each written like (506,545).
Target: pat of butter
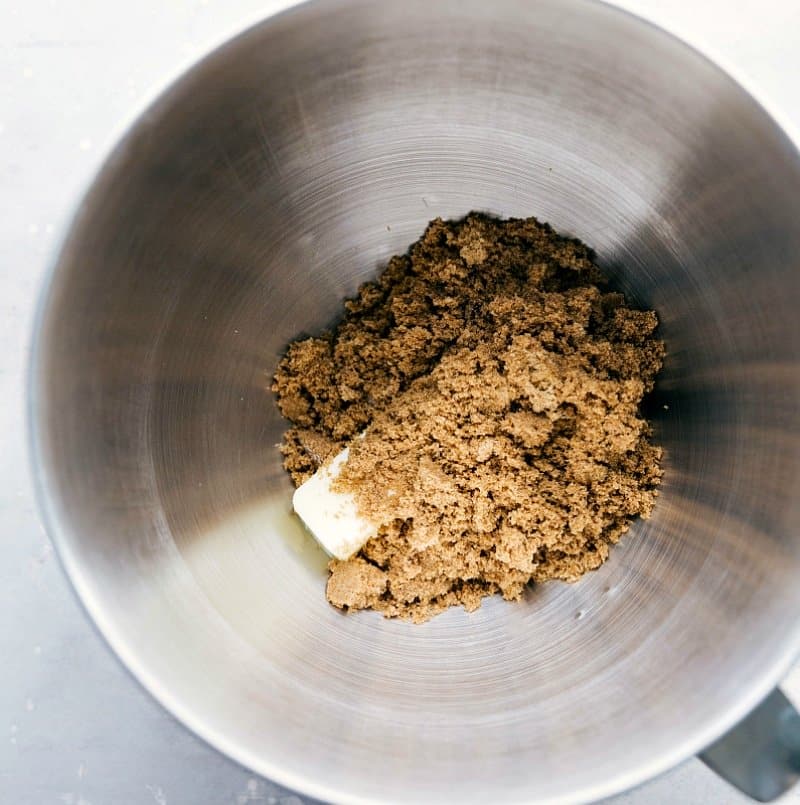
(332,517)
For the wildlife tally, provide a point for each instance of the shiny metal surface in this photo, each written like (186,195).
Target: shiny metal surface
(761,757)
(243,206)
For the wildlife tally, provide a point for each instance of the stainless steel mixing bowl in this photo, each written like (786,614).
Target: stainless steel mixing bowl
(241,209)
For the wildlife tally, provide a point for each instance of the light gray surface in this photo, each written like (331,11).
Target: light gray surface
(79,730)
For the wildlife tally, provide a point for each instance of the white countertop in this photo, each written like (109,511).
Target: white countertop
(78,730)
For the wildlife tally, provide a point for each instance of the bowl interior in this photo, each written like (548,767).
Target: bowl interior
(243,207)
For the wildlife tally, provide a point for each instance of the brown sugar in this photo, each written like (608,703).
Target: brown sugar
(498,387)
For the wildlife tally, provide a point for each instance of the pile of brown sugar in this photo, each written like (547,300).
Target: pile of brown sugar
(499,389)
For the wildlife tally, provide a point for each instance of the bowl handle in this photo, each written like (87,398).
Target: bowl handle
(761,754)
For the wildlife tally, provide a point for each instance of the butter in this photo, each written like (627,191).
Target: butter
(332,517)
